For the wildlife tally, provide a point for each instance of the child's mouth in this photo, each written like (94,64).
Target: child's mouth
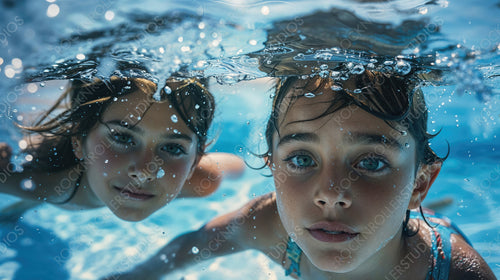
(332,232)
(134,195)
(332,236)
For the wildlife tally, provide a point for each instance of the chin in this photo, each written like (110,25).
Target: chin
(335,264)
(132,215)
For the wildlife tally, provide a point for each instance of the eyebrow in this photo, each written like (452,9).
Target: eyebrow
(368,138)
(372,138)
(301,137)
(139,130)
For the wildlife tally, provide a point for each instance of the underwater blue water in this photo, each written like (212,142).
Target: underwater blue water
(49,243)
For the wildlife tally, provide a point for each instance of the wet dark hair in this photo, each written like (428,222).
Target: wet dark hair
(88,101)
(386,101)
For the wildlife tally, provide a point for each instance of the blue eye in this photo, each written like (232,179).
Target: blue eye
(300,161)
(173,149)
(372,164)
(122,138)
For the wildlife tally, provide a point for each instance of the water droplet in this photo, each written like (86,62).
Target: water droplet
(27,185)
(167,90)
(323,67)
(388,62)
(336,88)
(404,133)
(309,95)
(335,74)
(115,99)
(402,67)
(195,250)
(299,56)
(160,173)
(324,73)
(407,145)
(197,106)
(174,118)
(42,84)
(106,161)
(358,90)
(358,69)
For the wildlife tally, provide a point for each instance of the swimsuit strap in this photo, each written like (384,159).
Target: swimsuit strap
(441,253)
(293,253)
(440,248)
(73,193)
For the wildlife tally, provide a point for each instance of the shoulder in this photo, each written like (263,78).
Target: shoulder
(256,225)
(466,263)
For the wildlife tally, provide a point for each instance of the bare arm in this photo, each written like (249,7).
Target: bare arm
(227,234)
(210,172)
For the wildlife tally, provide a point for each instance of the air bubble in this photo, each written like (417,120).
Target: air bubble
(407,145)
(358,69)
(174,118)
(160,173)
(402,67)
(195,250)
(357,91)
(167,90)
(309,95)
(27,185)
(323,67)
(324,73)
(336,88)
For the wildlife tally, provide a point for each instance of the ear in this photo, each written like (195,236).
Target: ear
(426,175)
(76,142)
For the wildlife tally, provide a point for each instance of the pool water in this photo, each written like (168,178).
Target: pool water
(48,243)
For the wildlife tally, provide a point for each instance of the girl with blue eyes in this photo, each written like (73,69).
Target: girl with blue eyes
(123,146)
(350,160)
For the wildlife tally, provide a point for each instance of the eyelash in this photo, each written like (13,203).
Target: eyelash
(179,151)
(378,170)
(289,160)
(127,144)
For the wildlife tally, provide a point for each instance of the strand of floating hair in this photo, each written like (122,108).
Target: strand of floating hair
(56,104)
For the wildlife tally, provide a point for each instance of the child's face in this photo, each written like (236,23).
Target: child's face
(343,182)
(138,168)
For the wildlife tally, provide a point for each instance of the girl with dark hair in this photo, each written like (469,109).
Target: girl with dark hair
(121,144)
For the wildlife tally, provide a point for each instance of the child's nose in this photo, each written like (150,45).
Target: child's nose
(143,167)
(141,176)
(332,194)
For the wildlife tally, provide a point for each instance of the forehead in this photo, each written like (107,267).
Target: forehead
(138,108)
(324,110)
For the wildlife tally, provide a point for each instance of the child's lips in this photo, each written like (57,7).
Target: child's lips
(134,194)
(332,232)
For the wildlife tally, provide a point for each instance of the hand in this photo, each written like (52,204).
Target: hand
(5,155)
